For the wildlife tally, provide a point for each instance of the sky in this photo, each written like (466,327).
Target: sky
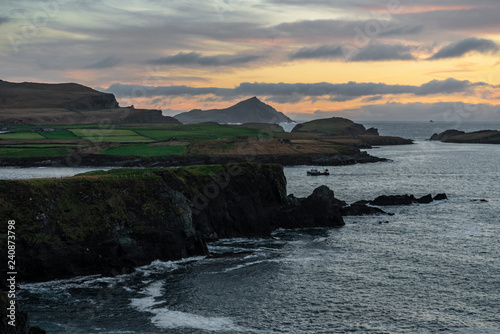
(406,60)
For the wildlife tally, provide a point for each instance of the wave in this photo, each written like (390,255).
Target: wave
(169,319)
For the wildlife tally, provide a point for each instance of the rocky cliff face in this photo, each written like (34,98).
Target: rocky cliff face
(109,223)
(38,103)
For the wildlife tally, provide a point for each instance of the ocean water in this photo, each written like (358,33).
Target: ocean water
(431,268)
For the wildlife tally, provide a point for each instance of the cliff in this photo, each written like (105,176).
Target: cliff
(248,111)
(111,222)
(29,103)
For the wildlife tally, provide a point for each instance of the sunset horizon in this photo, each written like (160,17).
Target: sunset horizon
(365,60)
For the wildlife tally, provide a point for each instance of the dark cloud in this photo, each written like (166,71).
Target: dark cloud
(107,62)
(371,52)
(402,30)
(372,98)
(299,91)
(322,52)
(135,91)
(381,52)
(197,59)
(446,114)
(447,86)
(460,48)
(4,19)
(285,99)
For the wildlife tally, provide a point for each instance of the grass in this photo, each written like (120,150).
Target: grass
(40,145)
(32,152)
(482,137)
(111,135)
(201,132)
(60,134)
(331,125)
(21,136)
(122,172)
(89,133)
(146,151)
(124,139)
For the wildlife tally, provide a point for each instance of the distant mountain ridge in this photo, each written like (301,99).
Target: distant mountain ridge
(29,103)
(248,111)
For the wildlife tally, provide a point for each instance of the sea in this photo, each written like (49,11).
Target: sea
(429,268)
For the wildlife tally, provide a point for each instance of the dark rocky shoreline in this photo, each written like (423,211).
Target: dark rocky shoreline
(99,160)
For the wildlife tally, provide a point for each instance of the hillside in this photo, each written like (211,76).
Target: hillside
(68,103)
(249,111)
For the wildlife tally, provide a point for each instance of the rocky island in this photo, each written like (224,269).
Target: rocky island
(476,137)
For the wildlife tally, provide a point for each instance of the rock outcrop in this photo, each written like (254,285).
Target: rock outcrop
(362,209)
(249,111)
(443,136)
(111,222)
(386,200)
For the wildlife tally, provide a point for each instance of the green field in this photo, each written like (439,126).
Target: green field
(111,135)
(146,151)
(21,136)
(137,140)
(201,132)
(39,145)
(32,152)
(88,133)
(60,134)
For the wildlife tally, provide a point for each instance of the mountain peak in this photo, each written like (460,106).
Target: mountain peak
(252,100)
(251,110)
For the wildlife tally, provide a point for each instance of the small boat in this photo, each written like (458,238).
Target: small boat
(315,172)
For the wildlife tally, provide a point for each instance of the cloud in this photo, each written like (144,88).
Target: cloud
(195,58)
(372,98)
(372,52)
(447,86)
(295,92)
(460,48)
(382,52)
(322,52)
(284,99)
(402,30)
(4,19)
(445,114)
(107,62)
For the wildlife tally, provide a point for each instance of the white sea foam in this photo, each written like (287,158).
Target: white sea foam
(168,319)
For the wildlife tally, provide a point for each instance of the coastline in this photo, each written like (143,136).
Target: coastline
(99,160)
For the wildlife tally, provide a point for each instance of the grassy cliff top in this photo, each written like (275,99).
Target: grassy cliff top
(333,126)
